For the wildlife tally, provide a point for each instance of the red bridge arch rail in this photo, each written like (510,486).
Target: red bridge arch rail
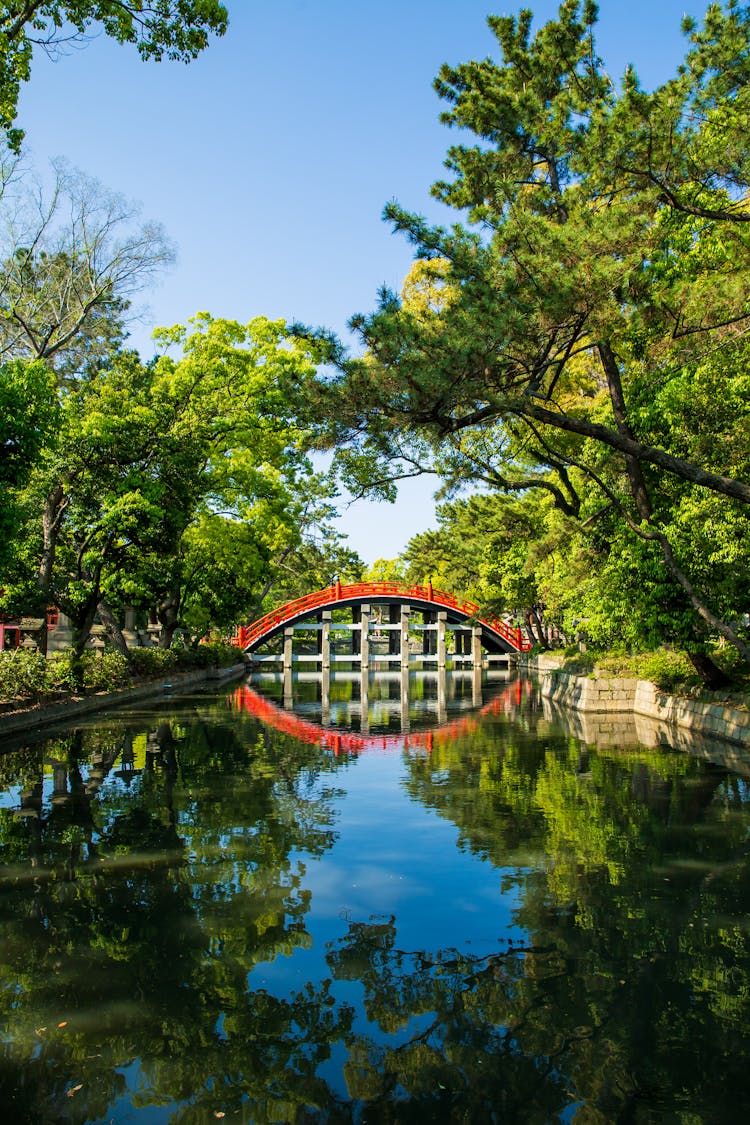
(495,629)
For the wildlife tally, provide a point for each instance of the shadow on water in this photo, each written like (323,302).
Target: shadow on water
(220,907)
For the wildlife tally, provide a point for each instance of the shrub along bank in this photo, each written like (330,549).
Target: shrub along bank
(27,678)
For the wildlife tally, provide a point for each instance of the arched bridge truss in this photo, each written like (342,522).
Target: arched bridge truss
(441,614)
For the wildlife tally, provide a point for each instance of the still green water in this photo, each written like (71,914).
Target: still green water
(211,910)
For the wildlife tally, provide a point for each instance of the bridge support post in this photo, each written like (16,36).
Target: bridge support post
(325,639)
(442,700)
(325,697)
(476,686)
(476,646)
(405,721)
(364,637)
(442,618)
(405,611)
(364,698)
(288,648)
(428,645)
(394,641)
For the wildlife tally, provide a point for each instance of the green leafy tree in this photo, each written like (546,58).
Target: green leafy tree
(586,282)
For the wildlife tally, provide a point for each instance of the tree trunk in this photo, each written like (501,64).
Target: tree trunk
(81,619)
(540,629)
(168,616)
(530,631)
(52,514)
(114,632)
(712,676)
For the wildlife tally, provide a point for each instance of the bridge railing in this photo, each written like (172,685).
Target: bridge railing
(248,635)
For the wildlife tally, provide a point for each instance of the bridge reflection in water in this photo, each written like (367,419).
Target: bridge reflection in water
(355,711)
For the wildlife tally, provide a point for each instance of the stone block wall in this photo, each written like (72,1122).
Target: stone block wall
(639,697)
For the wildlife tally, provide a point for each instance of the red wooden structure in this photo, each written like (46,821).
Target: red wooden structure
(10,636)
(250,636)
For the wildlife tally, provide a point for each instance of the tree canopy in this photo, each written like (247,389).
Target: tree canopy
(559,337)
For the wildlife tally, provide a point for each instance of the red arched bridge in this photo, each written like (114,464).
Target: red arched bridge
(437,608)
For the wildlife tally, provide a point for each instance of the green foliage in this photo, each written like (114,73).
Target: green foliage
(668,670)
(26,676)
(22,674)
(583,338)
(105,670)
(214,654)
(152,662)
(28,414)
(58,673)
(384,570)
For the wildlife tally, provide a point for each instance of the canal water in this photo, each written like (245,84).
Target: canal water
(218,907)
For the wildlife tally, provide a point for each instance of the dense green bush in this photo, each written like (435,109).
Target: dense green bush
(148,662)
(217,654)
(59,673)
(105,671)
(26,676)
(668,670)
(22,674)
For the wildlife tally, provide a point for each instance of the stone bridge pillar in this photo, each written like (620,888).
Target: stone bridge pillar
(394,640)
(442,618)
(405,612)
(476,646)
(364,637)
(325,639)
(288,648)
(429,648)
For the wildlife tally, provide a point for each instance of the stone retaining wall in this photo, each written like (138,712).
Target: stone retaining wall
(639,697)
(620,729)
(35,717)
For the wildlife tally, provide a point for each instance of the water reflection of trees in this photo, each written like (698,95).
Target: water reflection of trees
(631,994)
(148,873)
(130,925)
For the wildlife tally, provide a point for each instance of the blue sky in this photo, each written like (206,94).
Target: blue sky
(270,158)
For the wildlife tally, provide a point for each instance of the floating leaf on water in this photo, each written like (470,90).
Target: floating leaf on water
(39,1030)
(75,1089)
(63,1024)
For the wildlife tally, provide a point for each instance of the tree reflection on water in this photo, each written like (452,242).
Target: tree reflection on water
(155,864)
